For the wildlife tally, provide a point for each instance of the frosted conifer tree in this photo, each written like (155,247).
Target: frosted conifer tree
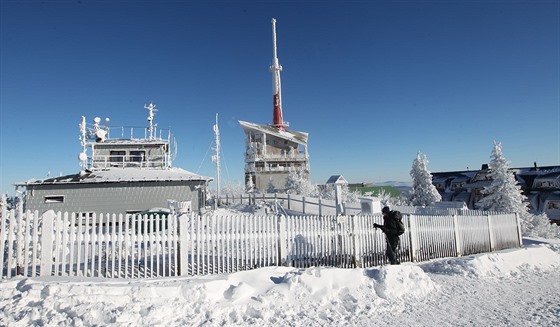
(297,183)
(232,188)
(504,193)
(292,183)
(328,193)
(424,193)
(270,188)
(250,186)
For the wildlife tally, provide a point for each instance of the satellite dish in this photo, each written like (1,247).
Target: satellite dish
(100,135)
(82,156)
(97,120)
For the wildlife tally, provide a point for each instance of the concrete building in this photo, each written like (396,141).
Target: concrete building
(126,175)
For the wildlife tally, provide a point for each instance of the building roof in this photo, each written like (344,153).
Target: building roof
(294,136)
(121,175)
(337,179)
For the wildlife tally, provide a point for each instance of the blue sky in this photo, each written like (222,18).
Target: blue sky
(371,82)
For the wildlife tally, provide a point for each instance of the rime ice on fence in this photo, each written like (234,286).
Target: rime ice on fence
(134,246)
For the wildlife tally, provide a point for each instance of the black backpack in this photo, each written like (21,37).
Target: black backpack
(398,218)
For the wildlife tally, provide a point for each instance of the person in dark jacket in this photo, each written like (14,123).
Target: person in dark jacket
(389,227)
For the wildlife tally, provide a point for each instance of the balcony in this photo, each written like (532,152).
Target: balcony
(275,157)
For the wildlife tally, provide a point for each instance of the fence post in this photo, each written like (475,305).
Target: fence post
(303,204)
(289,202)
(413,230)
(183,221)
(458,240)
(320,208)
(491,232)
(11,230)
(19,240)
(519,235)
(282,239)
(355,248)
(6,215)
(47,243)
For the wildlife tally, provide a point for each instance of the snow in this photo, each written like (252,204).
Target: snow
(516,287)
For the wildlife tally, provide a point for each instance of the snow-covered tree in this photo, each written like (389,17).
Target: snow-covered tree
(3,201)
(232,189)
(328,193)
(388,199)
(424,193)
(271,188)
(504,193)
(250,186)
(298,183)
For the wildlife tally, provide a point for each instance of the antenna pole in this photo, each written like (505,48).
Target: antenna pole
(275,69)
(151,113)
(83,143)
(216,158)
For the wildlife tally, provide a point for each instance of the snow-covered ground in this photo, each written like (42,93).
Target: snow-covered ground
(519,287)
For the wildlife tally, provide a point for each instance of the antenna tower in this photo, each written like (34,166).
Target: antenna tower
(275,69)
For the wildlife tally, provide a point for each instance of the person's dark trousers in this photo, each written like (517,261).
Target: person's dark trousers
(392,244)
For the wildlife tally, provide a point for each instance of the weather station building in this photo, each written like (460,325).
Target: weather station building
(272,151)
(124,174)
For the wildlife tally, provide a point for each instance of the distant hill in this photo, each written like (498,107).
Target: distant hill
(393,183)
(392,187)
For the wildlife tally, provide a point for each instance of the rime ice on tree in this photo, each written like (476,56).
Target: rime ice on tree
(424,193)
(504,194)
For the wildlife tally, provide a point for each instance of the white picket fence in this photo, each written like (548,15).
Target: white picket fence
(118,246)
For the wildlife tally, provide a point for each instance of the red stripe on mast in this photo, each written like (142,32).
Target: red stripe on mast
(275,69)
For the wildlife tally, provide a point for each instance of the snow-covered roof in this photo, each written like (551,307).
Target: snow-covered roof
(294,136)
(460,178)
(120,175)
(441,179)
(337,179)
(552,176)
(479,184)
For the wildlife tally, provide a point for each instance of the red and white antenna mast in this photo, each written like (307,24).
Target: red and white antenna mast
(275,69)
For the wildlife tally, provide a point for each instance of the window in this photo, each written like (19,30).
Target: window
(54,199)
(137,156)
(117,156)
(553,205)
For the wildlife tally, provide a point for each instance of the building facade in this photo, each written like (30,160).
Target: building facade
(123,174)
(271,155)
(541,186)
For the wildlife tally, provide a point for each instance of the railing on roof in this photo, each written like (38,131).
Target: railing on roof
(137,132)
(121,161)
